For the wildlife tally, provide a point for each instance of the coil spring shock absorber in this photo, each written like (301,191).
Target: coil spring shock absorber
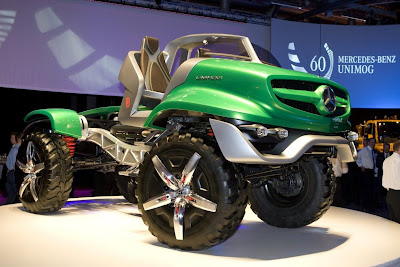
(71,143)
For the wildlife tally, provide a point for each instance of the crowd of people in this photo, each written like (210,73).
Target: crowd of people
(372,182)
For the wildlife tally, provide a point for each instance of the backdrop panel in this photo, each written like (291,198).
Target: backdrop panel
(78,46)
(364,59)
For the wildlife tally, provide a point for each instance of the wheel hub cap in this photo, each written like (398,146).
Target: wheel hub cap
(179,193)
(291,186)
(31,169)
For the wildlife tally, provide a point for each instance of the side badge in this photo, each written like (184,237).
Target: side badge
(127,102)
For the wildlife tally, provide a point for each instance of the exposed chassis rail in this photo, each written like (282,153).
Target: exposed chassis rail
(121,152)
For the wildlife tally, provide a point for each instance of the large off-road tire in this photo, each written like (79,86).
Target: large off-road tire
(54,182)
(126,186)
(214,179)
(303,207)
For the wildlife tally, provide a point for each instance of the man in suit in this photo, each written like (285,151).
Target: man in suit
(11,188)
(367,163)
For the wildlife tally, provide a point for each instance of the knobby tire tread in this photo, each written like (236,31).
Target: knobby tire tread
(308,214)
(56,177)
(235,196)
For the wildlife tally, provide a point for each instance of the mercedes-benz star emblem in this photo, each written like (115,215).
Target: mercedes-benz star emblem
(329,98)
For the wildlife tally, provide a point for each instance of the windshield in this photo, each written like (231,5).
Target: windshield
(221,47)
(215,46)
(389,131)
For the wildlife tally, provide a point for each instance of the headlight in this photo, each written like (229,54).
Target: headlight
(262,131)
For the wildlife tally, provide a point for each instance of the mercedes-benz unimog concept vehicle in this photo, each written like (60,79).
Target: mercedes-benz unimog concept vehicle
(205,126)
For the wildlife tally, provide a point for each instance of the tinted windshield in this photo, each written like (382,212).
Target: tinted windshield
(221,47)
(215,46)
(389,131)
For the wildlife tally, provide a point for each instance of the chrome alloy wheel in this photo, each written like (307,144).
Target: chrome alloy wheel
(179,193)
(30,169)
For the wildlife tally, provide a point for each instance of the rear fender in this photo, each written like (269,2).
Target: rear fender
(63,121)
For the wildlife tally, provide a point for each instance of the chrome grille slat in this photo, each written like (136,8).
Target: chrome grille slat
(306,86)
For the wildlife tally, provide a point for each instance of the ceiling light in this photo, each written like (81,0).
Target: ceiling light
(349,17)
(286,5)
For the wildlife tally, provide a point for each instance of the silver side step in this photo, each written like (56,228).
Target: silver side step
(121,152)
(237,148)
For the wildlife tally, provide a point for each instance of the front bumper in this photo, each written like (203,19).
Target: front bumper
(238,149)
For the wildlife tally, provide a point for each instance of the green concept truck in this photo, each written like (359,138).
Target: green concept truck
(204,128)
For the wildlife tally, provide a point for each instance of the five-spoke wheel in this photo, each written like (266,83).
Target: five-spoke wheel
(46,166)
(179,192)
(188,194)
(30,169)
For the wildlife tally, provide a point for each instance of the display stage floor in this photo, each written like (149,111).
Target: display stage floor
(108,231)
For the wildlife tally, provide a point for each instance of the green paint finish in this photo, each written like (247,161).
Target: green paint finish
(63,121)
(244,92)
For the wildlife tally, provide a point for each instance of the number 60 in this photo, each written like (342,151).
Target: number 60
(320,64)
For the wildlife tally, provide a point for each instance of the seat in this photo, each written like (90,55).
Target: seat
(145,77)
(152,64)
(203,52)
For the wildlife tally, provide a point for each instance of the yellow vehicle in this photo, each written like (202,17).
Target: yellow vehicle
(383,131)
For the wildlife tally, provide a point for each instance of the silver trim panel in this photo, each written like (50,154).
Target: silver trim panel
(132,78)
(181,74)
(121,152)
(237,148)
(153,94)
(84,126)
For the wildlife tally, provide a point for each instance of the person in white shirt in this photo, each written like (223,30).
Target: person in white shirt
(391,181)
(380,190)
(367,163)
